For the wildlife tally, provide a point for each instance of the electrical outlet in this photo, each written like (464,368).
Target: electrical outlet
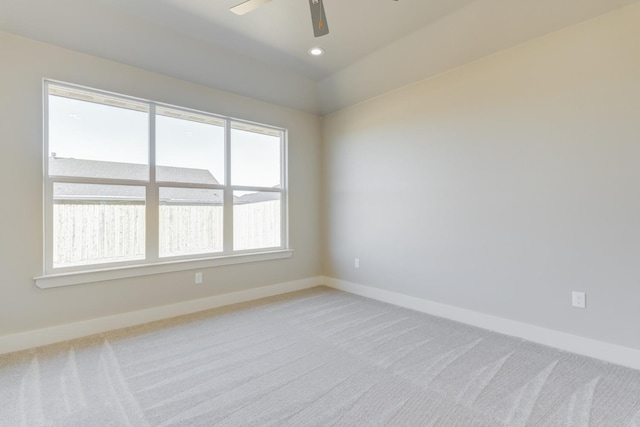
(198,278)
(579,299)
(356,263)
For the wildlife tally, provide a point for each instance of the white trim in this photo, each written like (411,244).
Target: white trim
(152,197)
(151,262)
(112,273)
(227,194)
(608,352)
(284,185)
(47,185)
(39,337)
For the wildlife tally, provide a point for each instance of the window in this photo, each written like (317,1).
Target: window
(130,182)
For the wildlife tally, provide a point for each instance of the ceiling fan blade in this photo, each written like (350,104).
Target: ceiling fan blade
(319,18)
(248,6)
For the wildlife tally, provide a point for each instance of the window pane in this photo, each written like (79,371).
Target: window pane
(255,156)
(94,224)
(191,221)
(94,139)
(256,220)
(189,147)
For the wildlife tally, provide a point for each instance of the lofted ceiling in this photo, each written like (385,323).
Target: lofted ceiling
(374,45)
(281,31)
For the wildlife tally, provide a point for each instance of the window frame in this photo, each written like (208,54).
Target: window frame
(55,276)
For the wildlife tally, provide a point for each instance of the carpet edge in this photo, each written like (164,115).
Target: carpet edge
(54,334)
(604,351)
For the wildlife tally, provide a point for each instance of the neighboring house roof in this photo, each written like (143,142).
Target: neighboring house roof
(99,169)
(256,197)
(132,193)
(92,192)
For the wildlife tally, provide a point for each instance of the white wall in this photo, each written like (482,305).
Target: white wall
(24,307)
(503,185)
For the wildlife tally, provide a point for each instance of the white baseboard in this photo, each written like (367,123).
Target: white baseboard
(612,353)
(54,334)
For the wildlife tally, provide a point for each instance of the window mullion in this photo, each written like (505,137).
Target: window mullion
(228,192)
(153,197)
(98,181)
(47,188)
(284,201)
(190,185)
(257,189)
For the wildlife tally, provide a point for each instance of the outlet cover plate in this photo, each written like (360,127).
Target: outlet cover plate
(579,299)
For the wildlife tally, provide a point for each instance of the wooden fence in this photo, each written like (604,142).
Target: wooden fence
(93,233)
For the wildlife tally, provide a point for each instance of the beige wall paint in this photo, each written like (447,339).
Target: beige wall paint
(24,307)
(503,185)
(499,187)
(475,31)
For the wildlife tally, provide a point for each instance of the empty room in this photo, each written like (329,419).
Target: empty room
(320,213)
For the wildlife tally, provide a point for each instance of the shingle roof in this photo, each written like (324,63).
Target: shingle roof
(99,169)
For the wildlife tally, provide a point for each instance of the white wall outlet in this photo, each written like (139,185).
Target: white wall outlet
(356,263)
(198,278)
(579,299)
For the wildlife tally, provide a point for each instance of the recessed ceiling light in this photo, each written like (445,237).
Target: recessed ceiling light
(316,51)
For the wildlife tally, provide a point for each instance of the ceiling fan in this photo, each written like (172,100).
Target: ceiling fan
(318,17)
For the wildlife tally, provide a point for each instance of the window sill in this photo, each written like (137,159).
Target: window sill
(99,275)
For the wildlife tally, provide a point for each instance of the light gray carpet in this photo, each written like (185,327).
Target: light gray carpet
(313,358)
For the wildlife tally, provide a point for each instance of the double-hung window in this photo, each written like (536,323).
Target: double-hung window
(130,182)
